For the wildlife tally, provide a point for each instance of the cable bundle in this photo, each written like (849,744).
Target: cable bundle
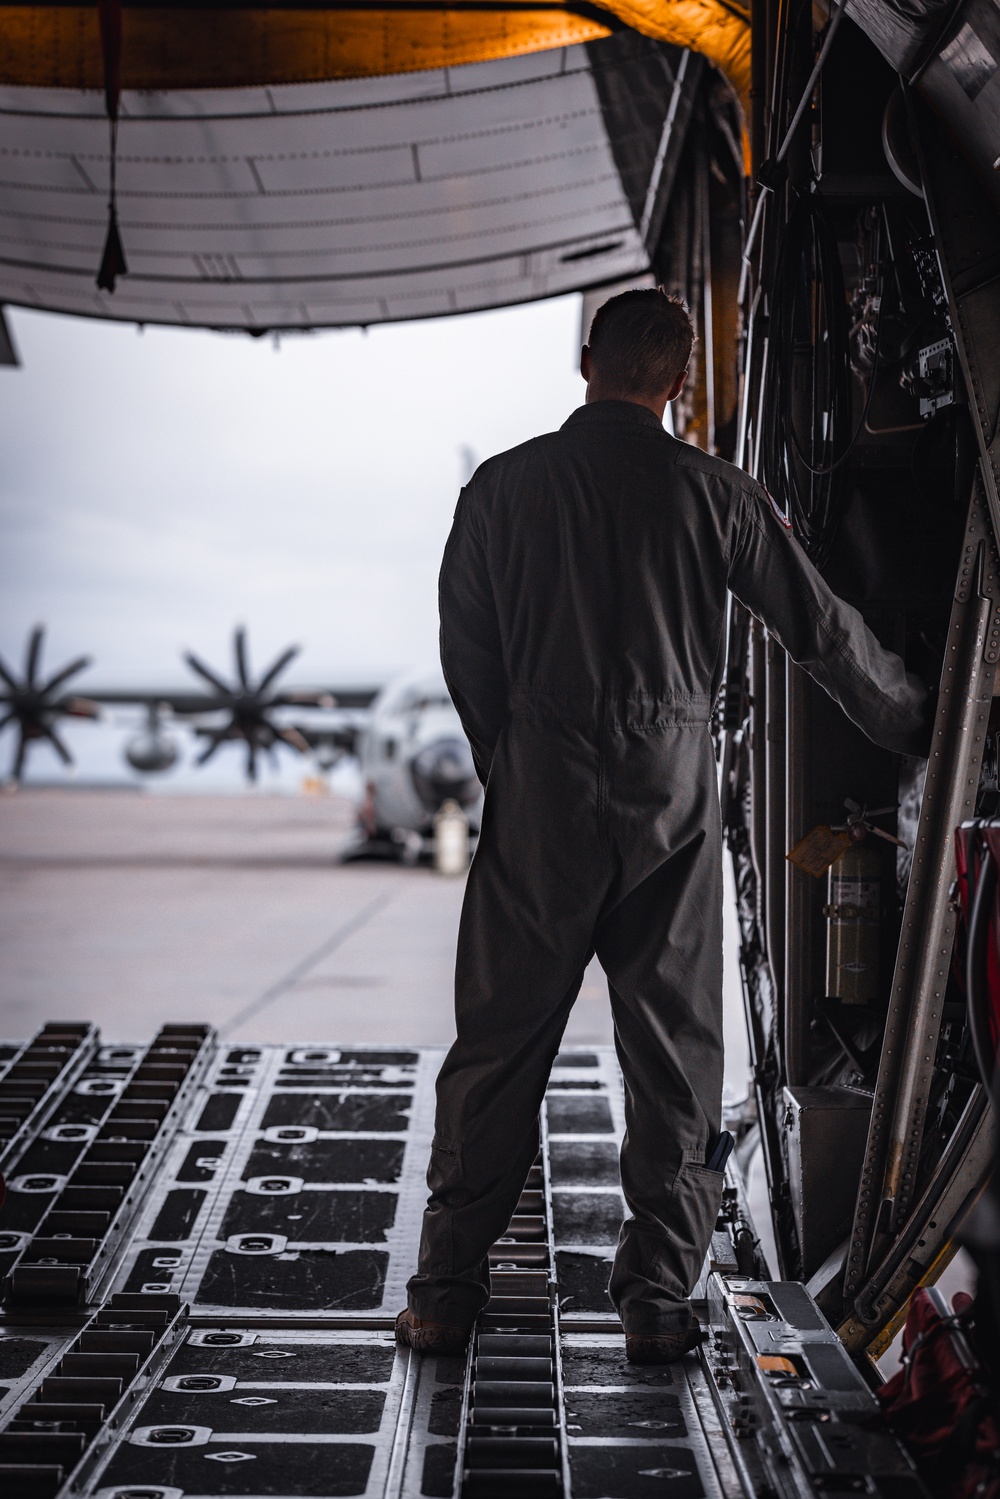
(807,378)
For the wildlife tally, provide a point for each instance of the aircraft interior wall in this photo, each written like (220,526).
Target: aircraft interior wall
(867,408)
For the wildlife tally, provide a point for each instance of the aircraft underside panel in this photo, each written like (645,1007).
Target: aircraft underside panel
(227,1329)
(345,203)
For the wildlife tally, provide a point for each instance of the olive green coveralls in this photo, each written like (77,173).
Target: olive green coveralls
(583,613)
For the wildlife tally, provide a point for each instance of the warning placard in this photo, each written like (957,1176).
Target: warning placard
(818,850)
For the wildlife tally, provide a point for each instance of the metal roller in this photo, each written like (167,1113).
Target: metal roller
(36,1078)
(512,1441)
(507,1253)
(532,1369)
(65,1447)
(511,1452)
(137,1101)
(124,1366)
(68,1411)
(86,1418)
(513,1418)
(514,1345)
(504,1483)
(506,1392)
(20,1482)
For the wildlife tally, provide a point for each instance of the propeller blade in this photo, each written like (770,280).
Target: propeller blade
(34,653)
(22,750)
(275,671)
(292,737)
(61,749)
(240,651)
(8,675)
(213,744)
(7,718)
(251,760)
(64,675)
(206,672)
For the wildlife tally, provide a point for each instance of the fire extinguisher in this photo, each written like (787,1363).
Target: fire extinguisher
(854,910)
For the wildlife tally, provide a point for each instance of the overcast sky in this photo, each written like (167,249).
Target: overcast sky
(159,487)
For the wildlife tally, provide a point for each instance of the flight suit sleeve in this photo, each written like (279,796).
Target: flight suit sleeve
(471,653)
(771,574)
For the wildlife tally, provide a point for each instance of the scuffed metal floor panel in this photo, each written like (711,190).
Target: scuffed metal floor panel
(627,1426)
(295,1187)
(232,1332)
(281,1410)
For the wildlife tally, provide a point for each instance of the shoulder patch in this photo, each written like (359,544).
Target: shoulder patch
(784,519)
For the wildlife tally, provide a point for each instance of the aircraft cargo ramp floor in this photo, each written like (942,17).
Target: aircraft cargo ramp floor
(204,1247)
(207,1236)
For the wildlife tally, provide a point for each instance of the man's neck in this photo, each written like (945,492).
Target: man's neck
(655,404)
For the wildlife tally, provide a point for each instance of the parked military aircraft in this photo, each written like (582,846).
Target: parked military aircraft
(414,757)
(234,711)
(412,750)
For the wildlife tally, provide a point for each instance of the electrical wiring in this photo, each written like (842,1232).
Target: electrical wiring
(807,377)
(778,155)
(869,393)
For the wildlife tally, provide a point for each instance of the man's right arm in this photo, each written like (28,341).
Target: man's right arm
(771,574)
(471,653)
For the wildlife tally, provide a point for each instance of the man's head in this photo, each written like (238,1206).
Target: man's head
(640,344)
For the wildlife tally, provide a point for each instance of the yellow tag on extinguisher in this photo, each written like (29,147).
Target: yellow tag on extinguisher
(818,850)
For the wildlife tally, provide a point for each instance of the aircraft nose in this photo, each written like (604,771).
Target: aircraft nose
(443,771)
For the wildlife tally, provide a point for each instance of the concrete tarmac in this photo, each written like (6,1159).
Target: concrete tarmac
(132,909)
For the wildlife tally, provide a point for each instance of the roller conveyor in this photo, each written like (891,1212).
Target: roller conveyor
(230,1332)
(33,1077)
(73,1182)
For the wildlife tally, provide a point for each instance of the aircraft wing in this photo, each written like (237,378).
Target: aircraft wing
(186,704)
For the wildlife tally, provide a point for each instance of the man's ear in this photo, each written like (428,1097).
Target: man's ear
(677,386)
(585,362)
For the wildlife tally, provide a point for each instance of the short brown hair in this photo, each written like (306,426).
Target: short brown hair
(640,341)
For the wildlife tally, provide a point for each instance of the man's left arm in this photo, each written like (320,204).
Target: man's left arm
(471,652)
(771,574)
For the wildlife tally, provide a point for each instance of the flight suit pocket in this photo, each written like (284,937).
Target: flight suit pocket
(694,1209)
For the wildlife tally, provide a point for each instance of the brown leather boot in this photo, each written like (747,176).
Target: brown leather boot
(430,1337)
(663,1348)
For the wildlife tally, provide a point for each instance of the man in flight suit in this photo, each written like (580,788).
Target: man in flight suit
(583,610)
